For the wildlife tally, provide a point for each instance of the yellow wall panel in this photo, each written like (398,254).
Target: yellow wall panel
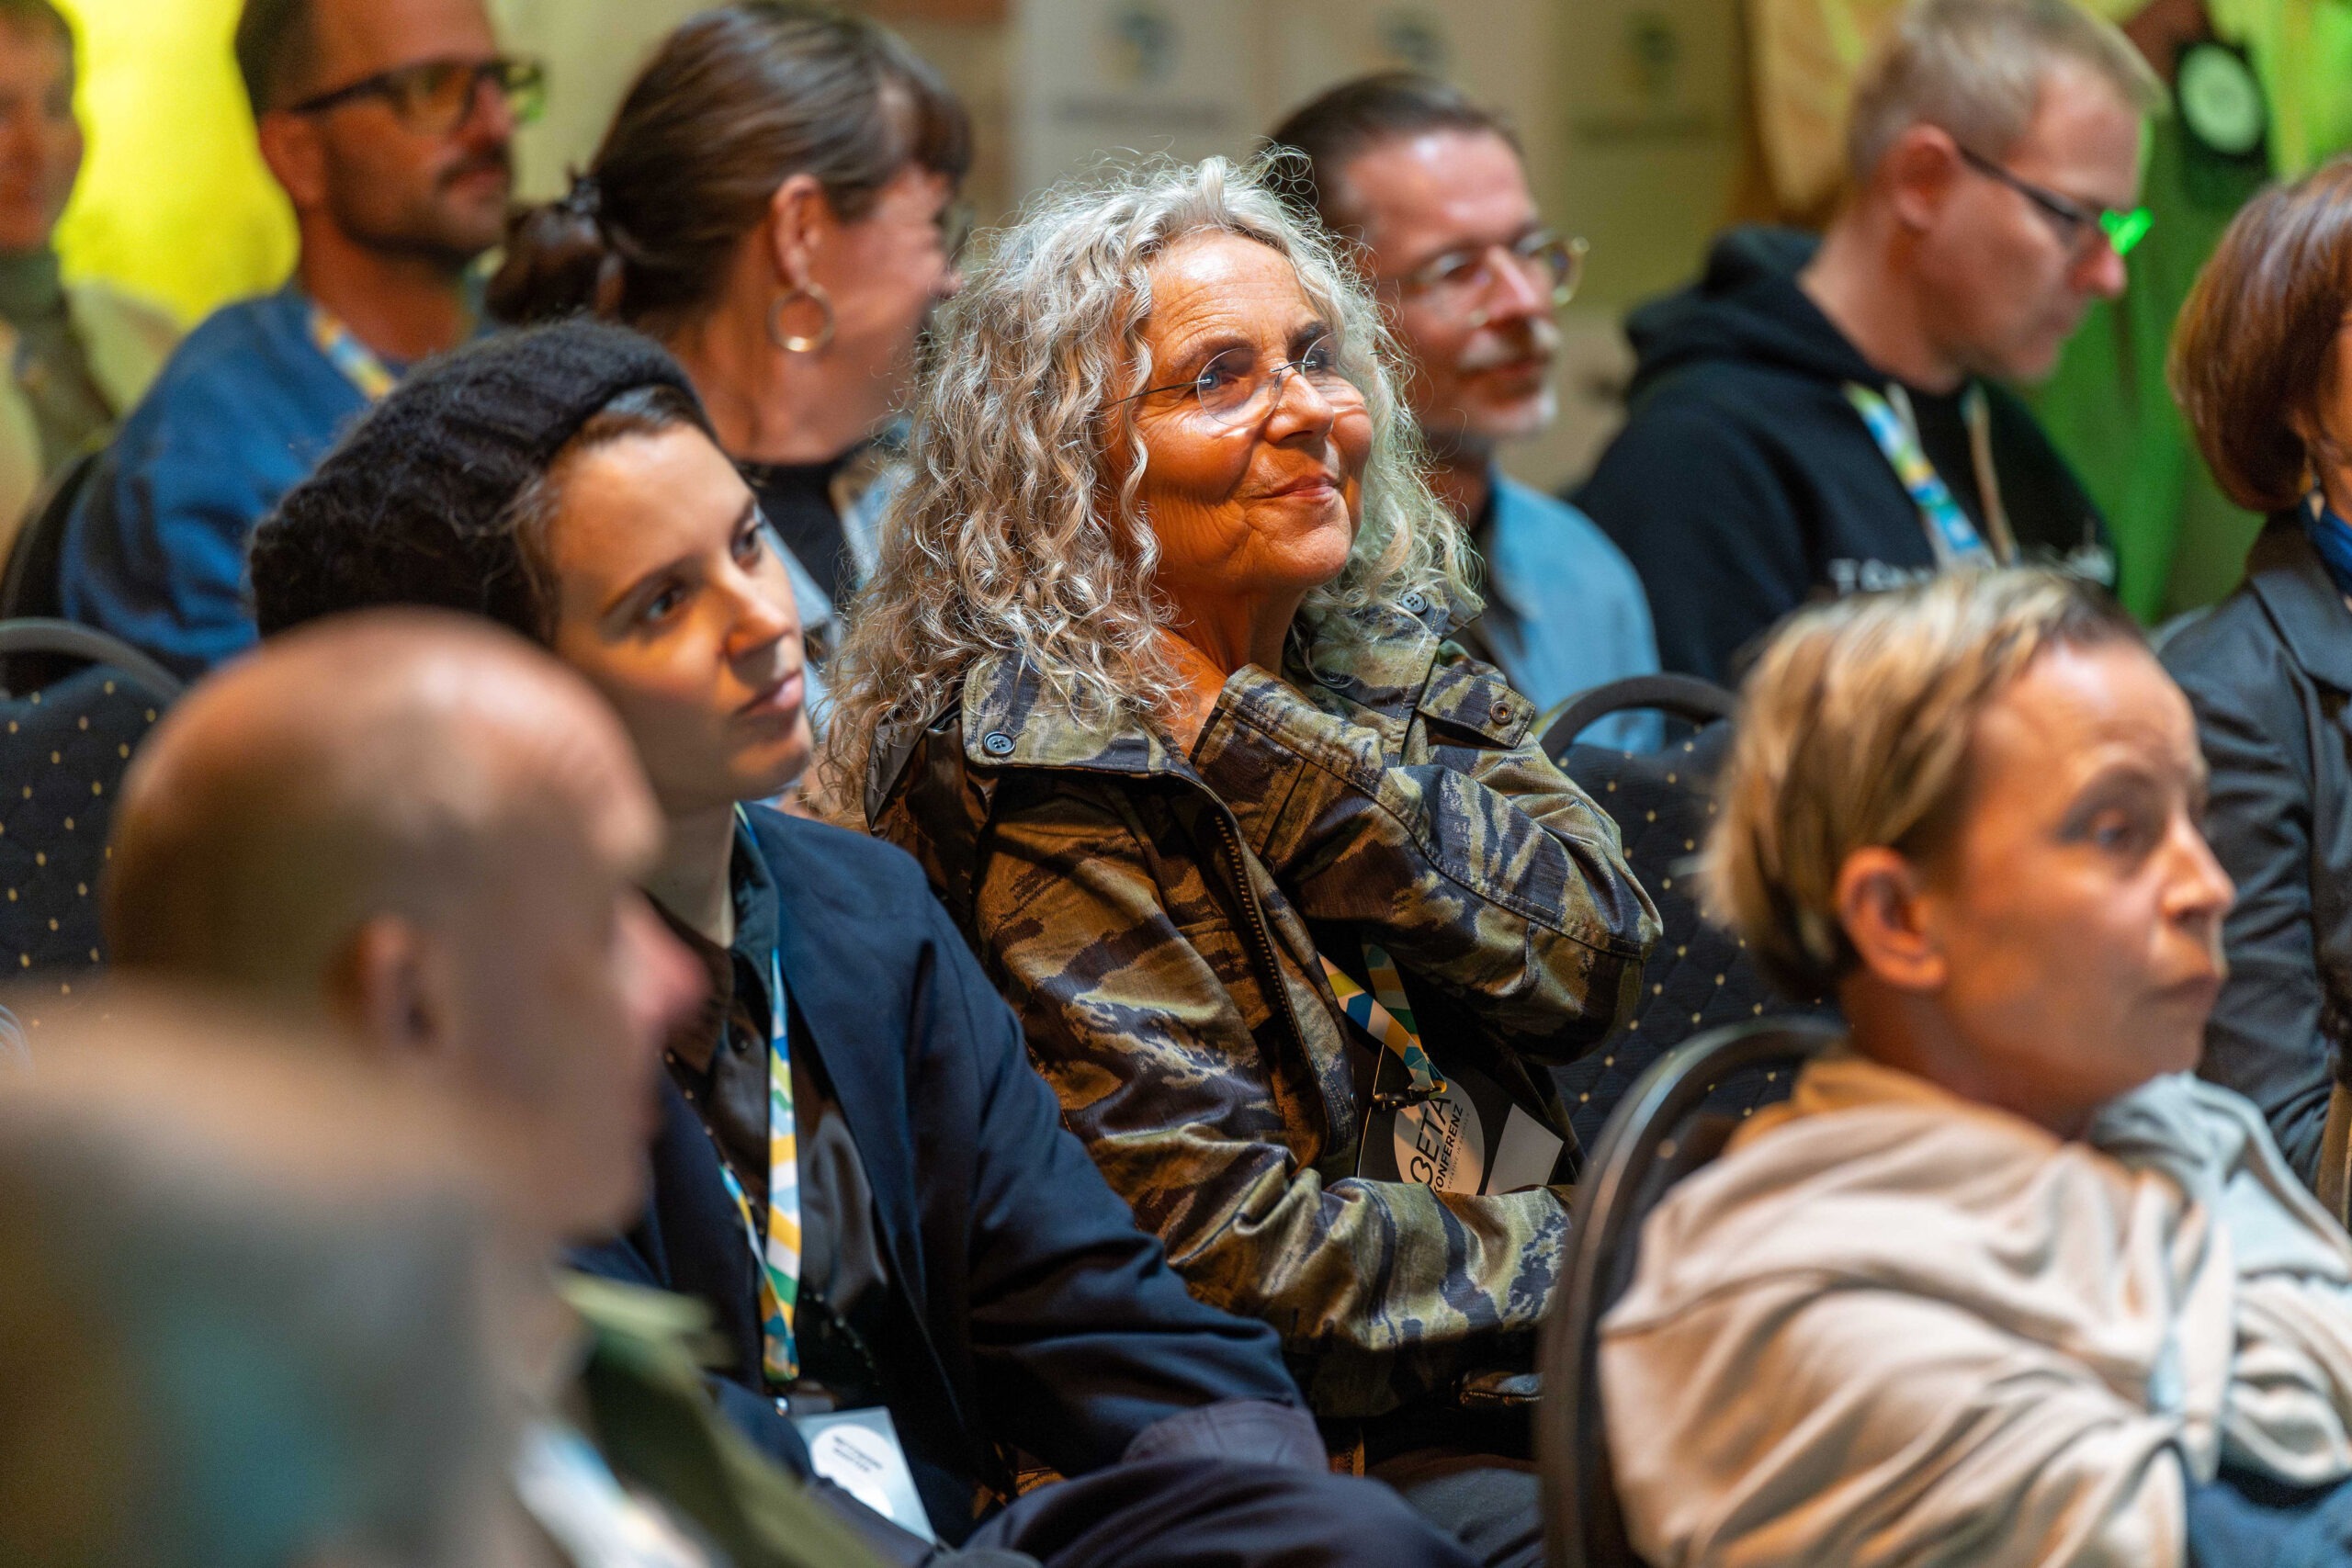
(173,202)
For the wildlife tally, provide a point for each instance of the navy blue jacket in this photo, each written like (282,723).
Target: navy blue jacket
(1052,1323)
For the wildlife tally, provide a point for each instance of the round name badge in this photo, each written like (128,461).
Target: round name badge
(2220,102)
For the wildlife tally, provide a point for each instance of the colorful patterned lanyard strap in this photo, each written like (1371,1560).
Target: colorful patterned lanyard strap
(779,1257)
(1387,1018)
(347,353)
(1950,533)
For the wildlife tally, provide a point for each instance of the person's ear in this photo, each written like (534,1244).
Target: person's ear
(1884,906)
(294,147)
(798,215)
(1918,173)
(386,986)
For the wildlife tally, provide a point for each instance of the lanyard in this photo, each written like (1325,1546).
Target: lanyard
(1387,1018)
(1951,534)
(778,1258)
(347,353)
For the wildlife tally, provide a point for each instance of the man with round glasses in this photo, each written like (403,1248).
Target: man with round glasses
(387,123)
(1431,190)
(1825,418)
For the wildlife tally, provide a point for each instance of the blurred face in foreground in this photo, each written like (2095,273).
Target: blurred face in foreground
(2062,943)
(40,141)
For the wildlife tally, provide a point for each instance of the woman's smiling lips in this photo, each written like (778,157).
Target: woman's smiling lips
(1320,485)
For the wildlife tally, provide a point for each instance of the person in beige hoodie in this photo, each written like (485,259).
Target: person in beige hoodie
(2001,1282)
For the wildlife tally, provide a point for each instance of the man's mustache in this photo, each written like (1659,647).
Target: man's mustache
(498,160)
(1536,338)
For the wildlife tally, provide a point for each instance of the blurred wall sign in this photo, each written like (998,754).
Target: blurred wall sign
(1652,88)
(1101,79)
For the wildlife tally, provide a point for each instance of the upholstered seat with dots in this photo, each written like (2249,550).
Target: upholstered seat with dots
(1698,976)
(62,752)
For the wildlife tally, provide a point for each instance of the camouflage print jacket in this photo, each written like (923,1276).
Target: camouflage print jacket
(1155,920)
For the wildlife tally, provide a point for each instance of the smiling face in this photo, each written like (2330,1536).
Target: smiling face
(1265,509)
(669,596)
(2010,281)
(2072,922)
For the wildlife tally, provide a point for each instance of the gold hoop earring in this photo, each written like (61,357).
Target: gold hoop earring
(814,344)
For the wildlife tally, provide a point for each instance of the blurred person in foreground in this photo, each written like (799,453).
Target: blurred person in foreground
(775,203)
(78,355)
(1156,682)
(258,1304)
(2002,1281)
(856,1167)
(2259,365)
(1818,418)
(420,835)
(1432,190)
(387,123)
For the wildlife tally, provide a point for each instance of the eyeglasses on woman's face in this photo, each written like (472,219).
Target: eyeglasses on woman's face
(436,96)
(1235,389)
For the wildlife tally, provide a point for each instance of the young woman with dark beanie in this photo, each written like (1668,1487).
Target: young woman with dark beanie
(858,1170)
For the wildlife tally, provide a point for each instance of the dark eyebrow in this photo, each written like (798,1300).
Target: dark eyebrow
(670,568)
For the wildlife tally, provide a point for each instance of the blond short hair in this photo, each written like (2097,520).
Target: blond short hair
(1853,732)
(1975,68)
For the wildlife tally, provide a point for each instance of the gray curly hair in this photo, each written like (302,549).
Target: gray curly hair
(1007,539)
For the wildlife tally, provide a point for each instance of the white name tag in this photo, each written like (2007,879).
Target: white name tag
(858,1452)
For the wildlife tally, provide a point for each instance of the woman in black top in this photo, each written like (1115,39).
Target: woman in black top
(2258,365)
(775,201)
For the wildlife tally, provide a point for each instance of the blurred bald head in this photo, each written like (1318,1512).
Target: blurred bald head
(386,762)
(432,831)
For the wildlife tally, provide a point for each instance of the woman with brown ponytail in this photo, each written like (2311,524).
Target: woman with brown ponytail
(776,202)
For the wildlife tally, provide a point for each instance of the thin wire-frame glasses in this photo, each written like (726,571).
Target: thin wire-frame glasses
(1232,390)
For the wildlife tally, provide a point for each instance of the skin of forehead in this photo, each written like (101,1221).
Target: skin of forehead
(1441,183)
(1220,288)
(382,736)
(357,38)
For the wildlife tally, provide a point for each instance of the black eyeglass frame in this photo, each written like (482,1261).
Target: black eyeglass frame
(2078,215)
(515,77)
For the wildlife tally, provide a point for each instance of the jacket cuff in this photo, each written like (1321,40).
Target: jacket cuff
(1257,1431)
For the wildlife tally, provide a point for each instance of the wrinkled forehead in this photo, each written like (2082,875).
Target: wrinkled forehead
(1215,282)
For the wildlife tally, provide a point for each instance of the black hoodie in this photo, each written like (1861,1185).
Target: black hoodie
(1744,482)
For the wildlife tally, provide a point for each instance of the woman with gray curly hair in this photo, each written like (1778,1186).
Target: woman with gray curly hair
(1154,681)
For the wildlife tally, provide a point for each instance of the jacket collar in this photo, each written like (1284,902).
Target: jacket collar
(2285,572)
(1008,723)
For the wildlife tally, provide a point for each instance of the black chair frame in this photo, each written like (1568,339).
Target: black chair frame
(1681,697)
(1582,1526)
(40,635)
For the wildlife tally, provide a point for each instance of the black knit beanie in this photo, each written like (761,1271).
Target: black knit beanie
(415,504)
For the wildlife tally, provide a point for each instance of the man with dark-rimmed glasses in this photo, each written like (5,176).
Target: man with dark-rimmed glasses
(387,123)
(1812,419)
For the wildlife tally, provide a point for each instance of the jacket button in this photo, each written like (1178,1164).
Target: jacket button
(1502,710)
(1332,677)
(996,743)
(1413,602)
